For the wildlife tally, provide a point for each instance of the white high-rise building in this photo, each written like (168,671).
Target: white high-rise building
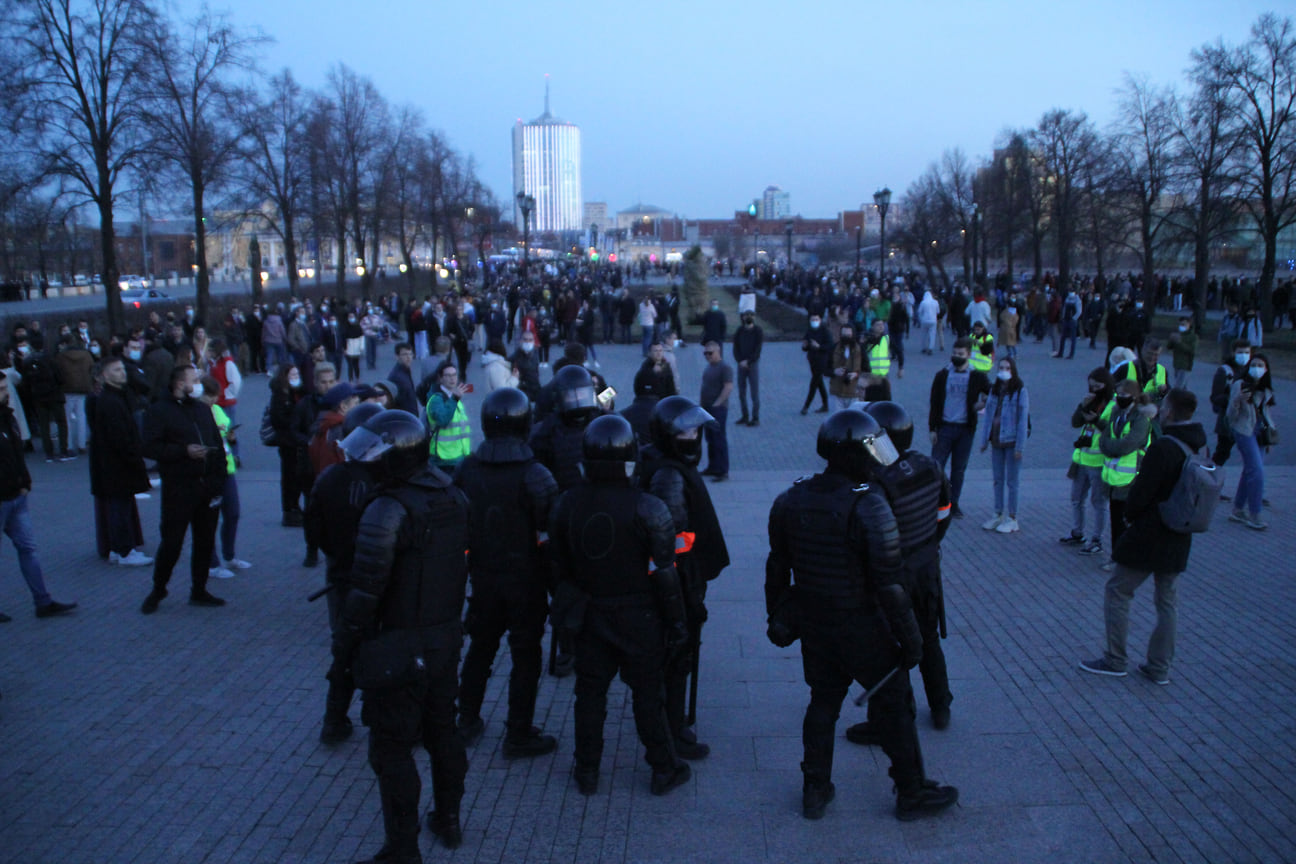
(547,166)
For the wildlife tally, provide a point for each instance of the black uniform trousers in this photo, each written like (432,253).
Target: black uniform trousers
(621,635)
(923,569)
(400,718)
(185,503)
(841,647)
(680,664)
(495,609)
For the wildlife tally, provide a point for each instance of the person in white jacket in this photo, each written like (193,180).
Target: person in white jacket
(928,318)
(498,369)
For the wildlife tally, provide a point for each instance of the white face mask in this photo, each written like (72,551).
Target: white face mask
(528,347)
(1183,328)
(814,325)
(294,382)
(197,390)
(1257,371)
(1004,376)
(133,354)
(1241,359)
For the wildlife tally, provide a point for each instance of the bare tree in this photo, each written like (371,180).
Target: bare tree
(927,231)
(274,132)
(358,123)
(1142,151)
(86,68)
(1262,73)
(1066,142)
(954,194)
(1003,196)
(192,113)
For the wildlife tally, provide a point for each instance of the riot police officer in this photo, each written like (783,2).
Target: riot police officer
(626,614)
(833,579)
(336,503)
(510,496)
(556,442)
(669,471)
(400,630)
(919,495)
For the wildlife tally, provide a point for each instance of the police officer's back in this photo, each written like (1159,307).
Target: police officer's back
(510,495)
(400,631)
(834,578)
(556,441)
(604,534)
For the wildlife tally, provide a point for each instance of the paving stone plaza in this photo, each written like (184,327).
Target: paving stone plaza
(192,735)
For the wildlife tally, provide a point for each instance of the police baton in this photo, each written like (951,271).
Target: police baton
(320,593)
(868,694)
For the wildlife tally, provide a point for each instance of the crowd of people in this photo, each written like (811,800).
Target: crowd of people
(599,517)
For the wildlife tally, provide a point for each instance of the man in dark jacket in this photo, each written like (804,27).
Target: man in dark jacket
(1149,548)
(958,392)
(15,520)
(117,471)
(403,377)
(818,347)
(180,434)
(747,343)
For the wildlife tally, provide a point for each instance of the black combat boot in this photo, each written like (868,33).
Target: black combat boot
(446,827)
(815,795)
(862,733)
(666,779)
(528,743)
(928,798)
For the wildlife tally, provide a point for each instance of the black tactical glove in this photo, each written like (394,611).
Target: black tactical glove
(895,604)
(677,637)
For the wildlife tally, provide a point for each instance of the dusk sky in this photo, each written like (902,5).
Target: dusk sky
(698,106)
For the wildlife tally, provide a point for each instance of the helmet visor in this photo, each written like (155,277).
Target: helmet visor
(881,448)
(693,418)
(363,445)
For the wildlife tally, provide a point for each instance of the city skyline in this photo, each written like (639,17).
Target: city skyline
(698,108)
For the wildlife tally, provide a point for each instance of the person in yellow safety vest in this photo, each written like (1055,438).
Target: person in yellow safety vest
(1124,437)
(451,435)
(983,346)
(877,350)
(1091,415)
(1146,371)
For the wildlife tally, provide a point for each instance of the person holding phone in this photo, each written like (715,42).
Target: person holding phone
(451,433)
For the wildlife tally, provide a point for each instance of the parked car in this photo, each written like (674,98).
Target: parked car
(138,297)
(132,281)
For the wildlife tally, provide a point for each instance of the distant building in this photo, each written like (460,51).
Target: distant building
(595,215)
(775,204)
(547,166)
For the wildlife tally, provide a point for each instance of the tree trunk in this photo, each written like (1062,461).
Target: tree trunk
(290,254)
(107,246)
(340,239)
(202,283)
(1265,292)
(1201,257)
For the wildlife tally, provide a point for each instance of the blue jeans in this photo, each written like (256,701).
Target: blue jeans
(1250,488)
(1088,481)
(717,441)
(954,440)
(649,333)
(1007,470)
(371,351)
(229,520)
(15,520)
(275,354)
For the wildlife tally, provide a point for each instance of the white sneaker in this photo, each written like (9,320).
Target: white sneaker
(237,564)
(134,558)
(1008,526)
(220,573)
(993,524)
(142,496)
(155,482)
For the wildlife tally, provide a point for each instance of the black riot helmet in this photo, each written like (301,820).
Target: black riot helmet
(506,413)
(892,417)
(854,444)
(573,396)
(610,449)
(676,428)
(394,439)
(356,417)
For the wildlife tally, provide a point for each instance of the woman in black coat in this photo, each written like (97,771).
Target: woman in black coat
(285,392)
(117,471)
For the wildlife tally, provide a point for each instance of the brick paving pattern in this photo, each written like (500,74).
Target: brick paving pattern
(191,735)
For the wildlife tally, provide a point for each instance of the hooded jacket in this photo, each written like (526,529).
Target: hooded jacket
(1147,544)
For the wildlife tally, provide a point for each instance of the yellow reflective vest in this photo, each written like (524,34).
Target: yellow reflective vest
(451,443)
(879,357)
(1121,470)
(1091,456)
(982,352)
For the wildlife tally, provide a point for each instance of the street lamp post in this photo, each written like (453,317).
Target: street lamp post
(882,198)
(976,236)
(526,203)
(788,227)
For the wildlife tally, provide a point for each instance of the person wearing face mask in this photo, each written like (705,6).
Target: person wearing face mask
(117,471)
(1183,345)
(286,391)
(1150,548)
(1007,427)
(847,363)
(958,393)
(353,342)
(74,361)
(1149,374)
(1236,367)
(180,433)
(1123,439)
(818,347)
(44,384)
(298,339)
(1250,405)
(526,360)
(1093,411)
(713,324)
(748,341)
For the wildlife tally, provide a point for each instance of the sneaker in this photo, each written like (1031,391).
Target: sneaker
(863,734)
(1254,523)
(587,780)
(815,798)
(940,717)
(1071,540)
(1108,567)
(142,496)
(1092,548)
(993,524)
(150,604)
(754,423)
(1101,667)
(928,799)
(532,743)
(67,457)
(471,729)
(1008,526)
(693,751)
(1238,516)
(133,558)
(822,409)
(220,573)
(670,778)
(205,598)
(1155,677)
(237,564)
(957,512)
(53,608)
(446,828)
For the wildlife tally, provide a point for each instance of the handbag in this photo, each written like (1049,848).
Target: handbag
(269,436)
(393,658)
(1266,433)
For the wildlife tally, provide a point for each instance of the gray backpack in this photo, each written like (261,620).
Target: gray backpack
(1192,501)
